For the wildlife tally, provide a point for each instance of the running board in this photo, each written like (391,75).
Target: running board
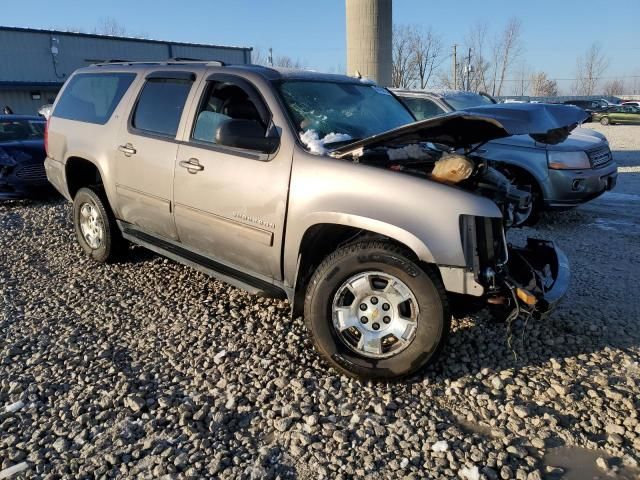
(206,265)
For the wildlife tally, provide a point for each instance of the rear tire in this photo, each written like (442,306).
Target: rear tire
(384,274)
(604,121)
(95,225)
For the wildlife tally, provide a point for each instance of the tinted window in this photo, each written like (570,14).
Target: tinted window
(12,130)
(92,97)
(422,108)
(223,101)
(160,106)
(462,100)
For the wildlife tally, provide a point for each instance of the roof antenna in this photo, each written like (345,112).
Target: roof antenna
(358,75)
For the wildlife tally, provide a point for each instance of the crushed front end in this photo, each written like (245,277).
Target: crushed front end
(531,279)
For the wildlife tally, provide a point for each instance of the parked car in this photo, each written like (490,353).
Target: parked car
(633,103)
(318,188)
(559,176)
(622,114)
(22,156)
(589,106)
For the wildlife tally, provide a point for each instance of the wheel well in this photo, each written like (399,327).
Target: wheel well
(523,173)
(318,242)
(80,173)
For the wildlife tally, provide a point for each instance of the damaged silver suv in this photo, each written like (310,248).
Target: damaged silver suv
(317,188)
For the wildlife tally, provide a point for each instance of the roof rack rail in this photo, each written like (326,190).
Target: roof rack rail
(170,61)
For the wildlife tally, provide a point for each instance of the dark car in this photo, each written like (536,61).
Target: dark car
(22,155)
(589,106)
(622,114)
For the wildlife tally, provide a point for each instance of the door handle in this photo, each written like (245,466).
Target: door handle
(192,165)
(127,149)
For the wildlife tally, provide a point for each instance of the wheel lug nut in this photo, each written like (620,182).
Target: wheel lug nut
(374,300)
(364,319)
(386,319)
(386,306)
(363,306)
(376,326)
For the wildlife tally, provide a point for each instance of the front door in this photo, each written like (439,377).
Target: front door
(230,203)
(147,150)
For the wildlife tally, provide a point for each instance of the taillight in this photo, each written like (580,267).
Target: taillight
(46,136)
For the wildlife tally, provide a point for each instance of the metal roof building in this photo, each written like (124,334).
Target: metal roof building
(35,63)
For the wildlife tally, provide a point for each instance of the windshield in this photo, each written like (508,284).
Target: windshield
(340,112)
(462,100)
(13,130)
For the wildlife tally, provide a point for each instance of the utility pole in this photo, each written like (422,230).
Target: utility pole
(270,59)
(454,65)
(469,70)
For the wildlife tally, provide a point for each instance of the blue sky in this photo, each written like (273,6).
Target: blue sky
(555,32)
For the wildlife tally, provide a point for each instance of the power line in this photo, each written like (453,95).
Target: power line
(566,79)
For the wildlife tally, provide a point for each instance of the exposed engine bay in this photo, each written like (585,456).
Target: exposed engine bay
(446,165)
(517,281)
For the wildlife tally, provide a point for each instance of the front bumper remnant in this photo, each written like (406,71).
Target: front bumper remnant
(538,274)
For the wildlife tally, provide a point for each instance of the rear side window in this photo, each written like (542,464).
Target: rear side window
(422,108)
(92,97)
(160,106)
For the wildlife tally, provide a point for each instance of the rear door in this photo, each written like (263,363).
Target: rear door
(631,114)
(616,115)
(230,203)
(147,149)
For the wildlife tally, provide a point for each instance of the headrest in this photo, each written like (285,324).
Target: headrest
(241,109)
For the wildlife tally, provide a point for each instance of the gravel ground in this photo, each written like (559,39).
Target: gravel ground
(147,369)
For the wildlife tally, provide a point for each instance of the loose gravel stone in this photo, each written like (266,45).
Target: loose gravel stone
(148,369)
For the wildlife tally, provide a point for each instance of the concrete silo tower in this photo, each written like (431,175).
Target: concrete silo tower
(369,28)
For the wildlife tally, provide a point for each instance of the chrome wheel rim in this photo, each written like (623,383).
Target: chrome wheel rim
(375,314)
(91,225)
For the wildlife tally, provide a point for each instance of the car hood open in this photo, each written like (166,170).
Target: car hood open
(544,123)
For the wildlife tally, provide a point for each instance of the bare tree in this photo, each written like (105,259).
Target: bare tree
(110,26)
(542,86)
(614,87)
(258,57)
(287,62)
(522,80)
(506,49)
(426,52)
(589,69)
(404,72)
(476,41)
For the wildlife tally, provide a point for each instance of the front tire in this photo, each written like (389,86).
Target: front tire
(95,225)
(374,313)
(604,121)
(525,181)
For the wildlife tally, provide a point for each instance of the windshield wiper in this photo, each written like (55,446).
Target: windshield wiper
(340,143)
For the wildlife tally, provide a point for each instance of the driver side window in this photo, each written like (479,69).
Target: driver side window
(223,101)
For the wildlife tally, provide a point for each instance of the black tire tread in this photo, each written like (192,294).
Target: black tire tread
(117,244)
(354,247)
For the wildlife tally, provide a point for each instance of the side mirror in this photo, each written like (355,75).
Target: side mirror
(247,134)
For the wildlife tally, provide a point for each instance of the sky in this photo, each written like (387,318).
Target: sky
(554,32)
